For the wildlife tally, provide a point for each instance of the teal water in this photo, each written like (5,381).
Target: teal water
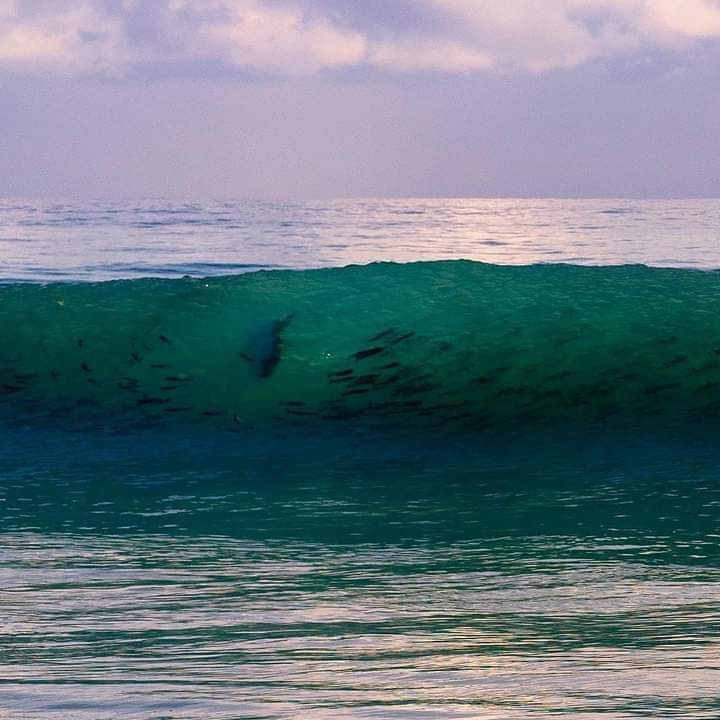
(517,516)
(438,348)
(370,580)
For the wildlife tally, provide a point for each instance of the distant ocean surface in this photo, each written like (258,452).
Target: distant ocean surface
(56,241)
(360,459)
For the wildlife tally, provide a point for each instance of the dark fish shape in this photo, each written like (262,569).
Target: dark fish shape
(178,378)
(414,389)
(504,392)
(340,379)
(446,406)
(151,401)
(80,342)
(420,378)
(559,342)
(341,415)
(550,394)
(85,368)
(601,390)
(181,408)
(391,380)
(370,379)
(135,356)
(677,360)
(265,345)
(369,352)
(608,412)
(24,377)
(164,339)
(213,413)
(710,365)
(340,373)
(383,334)
(577,402)
(9,389)
(492,375)
(357,391)
(484,380)
(654,389)
(561,375)
(160,366)
(400,339)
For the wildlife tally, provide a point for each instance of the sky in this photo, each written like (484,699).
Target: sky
(311,99)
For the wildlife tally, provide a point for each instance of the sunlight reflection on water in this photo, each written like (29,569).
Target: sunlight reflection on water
(100,241)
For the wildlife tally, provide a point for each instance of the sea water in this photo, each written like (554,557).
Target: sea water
(374,458)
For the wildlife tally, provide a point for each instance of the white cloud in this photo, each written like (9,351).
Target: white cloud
(691,18)
(281,39)
(75,36)
(428,54)
(295,37)
(659,21)
(68,37)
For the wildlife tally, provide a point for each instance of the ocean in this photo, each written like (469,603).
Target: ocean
(360,459)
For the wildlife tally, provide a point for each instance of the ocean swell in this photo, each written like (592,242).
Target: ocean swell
(458,347)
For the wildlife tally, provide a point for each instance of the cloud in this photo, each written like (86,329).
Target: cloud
(303,37)
(75,38)
(109,37)
(659,21)
(263,36)
(427,54)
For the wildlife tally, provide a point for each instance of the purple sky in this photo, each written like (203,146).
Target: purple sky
(328,98)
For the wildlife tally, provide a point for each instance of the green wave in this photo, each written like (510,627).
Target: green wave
(437,347)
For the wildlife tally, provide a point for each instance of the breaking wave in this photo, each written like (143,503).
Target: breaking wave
(458,347)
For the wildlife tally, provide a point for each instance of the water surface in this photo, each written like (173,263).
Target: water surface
(550,551)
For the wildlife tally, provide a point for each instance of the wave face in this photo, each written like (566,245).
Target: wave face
(439,347)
